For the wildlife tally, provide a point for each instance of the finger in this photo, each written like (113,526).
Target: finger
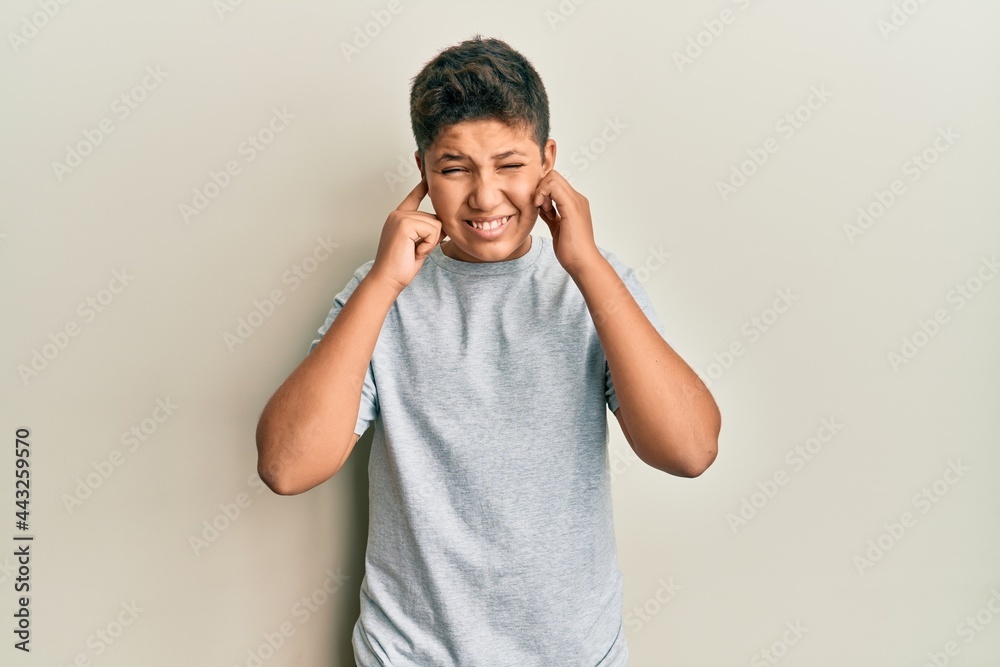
(540,191)
(428,236)
(550,207)
(417,194)
(549,217)
(555,192)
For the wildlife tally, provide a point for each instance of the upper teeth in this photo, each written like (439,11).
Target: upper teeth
(490,225)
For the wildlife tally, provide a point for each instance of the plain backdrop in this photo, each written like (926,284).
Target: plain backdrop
(808,190)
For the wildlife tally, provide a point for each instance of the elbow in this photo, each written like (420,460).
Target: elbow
(703,453)
(283,473)
(270,467)
(694,460)
(700,460)
(274,480)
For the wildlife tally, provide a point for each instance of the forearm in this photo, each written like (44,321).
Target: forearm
(306,430)
(671,417)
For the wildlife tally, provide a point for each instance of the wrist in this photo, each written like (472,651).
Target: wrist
(587,266)
(386,289)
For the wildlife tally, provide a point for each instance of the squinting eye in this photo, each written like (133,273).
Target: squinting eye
(506,166)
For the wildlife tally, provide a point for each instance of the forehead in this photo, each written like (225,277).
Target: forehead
(481,139)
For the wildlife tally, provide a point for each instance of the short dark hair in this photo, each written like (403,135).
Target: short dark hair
(480,78)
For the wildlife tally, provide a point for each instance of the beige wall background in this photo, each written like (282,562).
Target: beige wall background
(808,189)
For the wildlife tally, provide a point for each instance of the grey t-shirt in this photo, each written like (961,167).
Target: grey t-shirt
(491,534)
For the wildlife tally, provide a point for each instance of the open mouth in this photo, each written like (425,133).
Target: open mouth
(490,230)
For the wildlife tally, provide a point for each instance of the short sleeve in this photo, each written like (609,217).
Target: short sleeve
(368,409)
(642,298)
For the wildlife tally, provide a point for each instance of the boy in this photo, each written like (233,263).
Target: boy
(486,358)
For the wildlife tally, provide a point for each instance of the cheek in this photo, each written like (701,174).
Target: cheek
(441,198)
(523,192)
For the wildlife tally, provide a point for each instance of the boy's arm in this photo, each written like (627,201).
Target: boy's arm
(306,430)
(666,412)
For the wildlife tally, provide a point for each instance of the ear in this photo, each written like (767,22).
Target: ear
(550,156)
(420,167)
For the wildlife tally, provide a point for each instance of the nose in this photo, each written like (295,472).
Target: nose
(486,194)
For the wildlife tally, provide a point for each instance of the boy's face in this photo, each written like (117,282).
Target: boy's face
(465,181)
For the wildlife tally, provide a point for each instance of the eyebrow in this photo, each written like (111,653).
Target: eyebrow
(458,157)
